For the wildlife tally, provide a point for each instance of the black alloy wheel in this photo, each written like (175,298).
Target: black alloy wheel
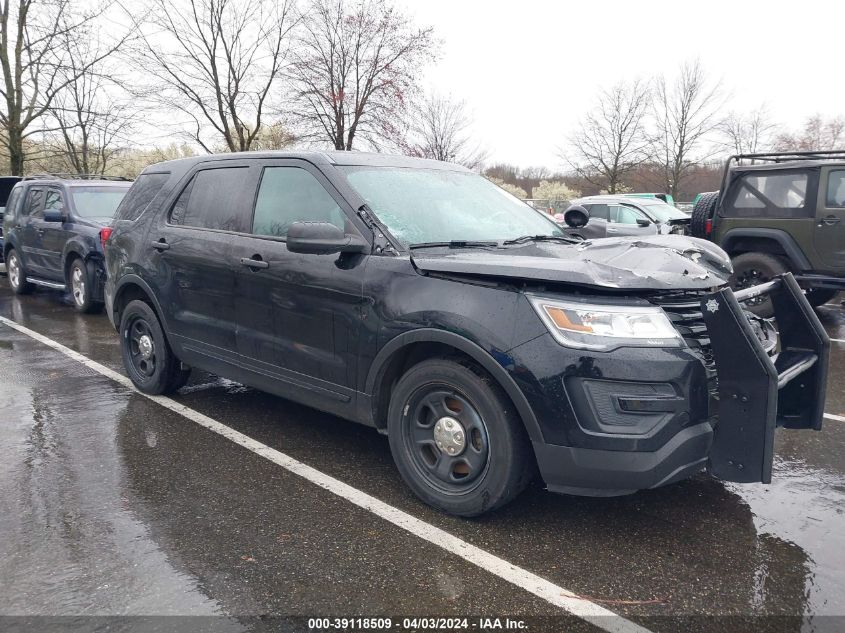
(446,438)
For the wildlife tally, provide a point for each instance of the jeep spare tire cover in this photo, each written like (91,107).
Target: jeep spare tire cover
(576,216)
(701,212)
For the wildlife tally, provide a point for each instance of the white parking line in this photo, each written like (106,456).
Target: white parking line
(838,418)
(838,340)
(522,578)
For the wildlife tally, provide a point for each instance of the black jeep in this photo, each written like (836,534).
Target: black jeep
(780,212)
(417,297)
(54,228)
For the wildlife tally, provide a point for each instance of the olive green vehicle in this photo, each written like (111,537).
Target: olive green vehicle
(776,213)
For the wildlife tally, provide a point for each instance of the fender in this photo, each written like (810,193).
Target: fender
(474,351)
(785,240)
(132,278)
(79,245)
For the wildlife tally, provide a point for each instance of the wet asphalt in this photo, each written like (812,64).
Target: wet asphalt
(113,505)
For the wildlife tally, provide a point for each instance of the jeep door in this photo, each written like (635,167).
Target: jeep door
(298,314)
(830,218)
(54,234)
(191,263)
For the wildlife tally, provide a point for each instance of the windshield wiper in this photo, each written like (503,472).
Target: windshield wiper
(453,244)
(542,238)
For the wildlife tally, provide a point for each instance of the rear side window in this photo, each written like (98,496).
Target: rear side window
(34,203)
(599,211)
(836,189)
(772,195)
(292,194)
(213,200)
(140,195)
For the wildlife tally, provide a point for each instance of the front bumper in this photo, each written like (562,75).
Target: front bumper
(735,440)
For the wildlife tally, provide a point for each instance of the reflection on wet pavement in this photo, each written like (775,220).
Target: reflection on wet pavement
(111,504)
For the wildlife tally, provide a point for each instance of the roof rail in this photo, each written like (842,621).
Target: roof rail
(63,176)
(781,157)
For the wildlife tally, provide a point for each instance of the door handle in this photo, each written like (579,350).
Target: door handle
(161,245)
(254,263)
(830,220)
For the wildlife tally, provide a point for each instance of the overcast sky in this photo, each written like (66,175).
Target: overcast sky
(530,68)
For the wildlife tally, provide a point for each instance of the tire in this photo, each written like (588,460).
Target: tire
(442,405)
(151,364)
(80,282)
(819,296)
(17,274)
(751,269)
(701,212)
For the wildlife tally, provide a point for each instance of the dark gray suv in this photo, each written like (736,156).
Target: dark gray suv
(53,230)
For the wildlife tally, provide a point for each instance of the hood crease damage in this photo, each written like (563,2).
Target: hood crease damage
(659,262)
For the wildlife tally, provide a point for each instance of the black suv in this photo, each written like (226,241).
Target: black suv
(54,228)
(418,298)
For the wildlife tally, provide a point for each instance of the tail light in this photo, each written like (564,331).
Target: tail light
(708,227)
(105,234)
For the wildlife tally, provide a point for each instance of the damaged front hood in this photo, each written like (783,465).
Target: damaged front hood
(658,262)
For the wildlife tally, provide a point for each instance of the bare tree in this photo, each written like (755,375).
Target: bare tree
(217,62)
(35,63)
(357,68)
(686,111)
(440,129)
(91,123)
(748,133)
(817,133)
(612,138)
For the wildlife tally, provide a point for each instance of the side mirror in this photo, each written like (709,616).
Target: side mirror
(323,238)
(54,215)
(643,222)
(576,216)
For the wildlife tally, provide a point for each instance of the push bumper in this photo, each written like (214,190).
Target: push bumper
(756,394)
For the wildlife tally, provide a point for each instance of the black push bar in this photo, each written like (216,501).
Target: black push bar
(758,392)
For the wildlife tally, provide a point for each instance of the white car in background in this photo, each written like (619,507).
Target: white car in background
(620,215)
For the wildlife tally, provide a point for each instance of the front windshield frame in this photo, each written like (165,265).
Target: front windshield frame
(78,208)
(536,222)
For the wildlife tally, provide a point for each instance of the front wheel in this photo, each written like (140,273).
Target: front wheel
(151,364)
(456,438)
(17,274)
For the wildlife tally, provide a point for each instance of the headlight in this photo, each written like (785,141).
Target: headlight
(600,327)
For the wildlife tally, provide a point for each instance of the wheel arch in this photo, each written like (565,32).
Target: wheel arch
(771,241)
(409,348)
(129,288)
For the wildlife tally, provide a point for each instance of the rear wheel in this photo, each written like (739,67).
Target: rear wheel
(819,296)
(456,438)
(17,274)
(81,283)
(147,357)
(753,269)
(701,212)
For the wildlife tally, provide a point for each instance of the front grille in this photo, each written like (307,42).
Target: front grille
(684,310)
